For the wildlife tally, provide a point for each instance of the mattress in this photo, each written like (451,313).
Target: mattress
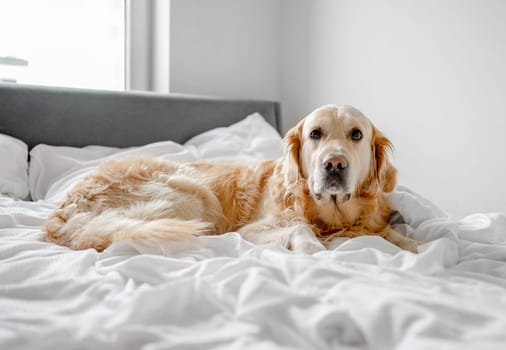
(222,292)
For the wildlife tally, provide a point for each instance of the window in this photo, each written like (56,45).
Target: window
(73,43)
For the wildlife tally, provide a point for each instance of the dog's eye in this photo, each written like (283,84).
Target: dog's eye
(316,134)
(356,135)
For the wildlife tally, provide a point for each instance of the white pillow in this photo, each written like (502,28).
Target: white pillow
(248,141)
(13,167)
(54,170)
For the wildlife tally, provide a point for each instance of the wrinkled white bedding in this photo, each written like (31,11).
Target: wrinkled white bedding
(224,293)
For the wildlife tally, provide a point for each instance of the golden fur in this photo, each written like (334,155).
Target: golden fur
(295,200)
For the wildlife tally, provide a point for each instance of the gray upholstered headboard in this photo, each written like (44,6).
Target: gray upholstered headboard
(77,117)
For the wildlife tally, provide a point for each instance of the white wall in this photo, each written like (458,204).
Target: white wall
(225,48)
(431,74)
(296,35)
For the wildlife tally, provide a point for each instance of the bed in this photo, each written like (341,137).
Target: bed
(221,292)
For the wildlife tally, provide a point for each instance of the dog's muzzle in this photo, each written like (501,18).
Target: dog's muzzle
(334,175)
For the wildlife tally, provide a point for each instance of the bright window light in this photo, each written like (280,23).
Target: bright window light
(73,43)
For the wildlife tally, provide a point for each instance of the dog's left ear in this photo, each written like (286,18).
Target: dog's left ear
(386,174)
(292,145)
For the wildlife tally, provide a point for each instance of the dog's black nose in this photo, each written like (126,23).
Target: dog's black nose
(335,165)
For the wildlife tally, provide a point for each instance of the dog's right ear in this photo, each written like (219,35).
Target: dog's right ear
(292,145)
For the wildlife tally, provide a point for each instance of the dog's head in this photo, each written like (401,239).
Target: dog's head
(340,153)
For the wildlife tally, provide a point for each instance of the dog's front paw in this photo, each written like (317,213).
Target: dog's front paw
(304,241)
(410,245)
(306,247)
(402,241)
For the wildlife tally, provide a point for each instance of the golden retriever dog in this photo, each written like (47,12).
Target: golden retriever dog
(332,181)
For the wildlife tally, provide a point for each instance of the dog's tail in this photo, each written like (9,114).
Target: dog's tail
(86,230)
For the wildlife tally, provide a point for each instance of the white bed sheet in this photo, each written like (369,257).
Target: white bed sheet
(224,293)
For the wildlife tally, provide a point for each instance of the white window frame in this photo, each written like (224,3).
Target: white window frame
(147,45)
